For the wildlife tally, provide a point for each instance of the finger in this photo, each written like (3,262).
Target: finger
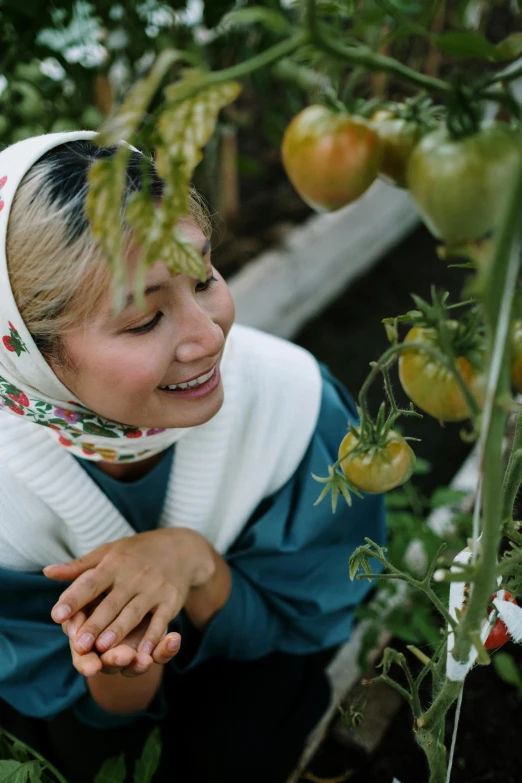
(97,624)
(159,622)
(70,627)
(118,658)
(84,589)
(73,568)
(89,665)
(167,649)
(140,665)
(130,616)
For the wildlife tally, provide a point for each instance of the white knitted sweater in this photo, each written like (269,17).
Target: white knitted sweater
(51,510)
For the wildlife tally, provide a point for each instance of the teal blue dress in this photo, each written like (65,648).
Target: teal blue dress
(290,586)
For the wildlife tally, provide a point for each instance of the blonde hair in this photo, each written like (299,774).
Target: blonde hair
(56,266)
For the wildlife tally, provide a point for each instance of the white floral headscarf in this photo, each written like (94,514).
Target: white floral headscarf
(28,386)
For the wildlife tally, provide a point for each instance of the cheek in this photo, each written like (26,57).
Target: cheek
(137,364)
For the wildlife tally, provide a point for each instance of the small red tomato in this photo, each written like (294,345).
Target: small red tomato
(499,634)
(133,434)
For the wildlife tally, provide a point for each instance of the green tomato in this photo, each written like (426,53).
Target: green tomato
(398,138)
(379,468)
(460,186)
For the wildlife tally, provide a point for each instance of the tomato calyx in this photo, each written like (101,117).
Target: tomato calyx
(464,110)
(418,110)
(462,337)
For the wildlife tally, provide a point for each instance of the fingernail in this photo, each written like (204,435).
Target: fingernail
(107,639)
(86,641)
(147,648)
(173,644)
(61,612)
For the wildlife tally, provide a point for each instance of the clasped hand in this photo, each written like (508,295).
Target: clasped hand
(123,596)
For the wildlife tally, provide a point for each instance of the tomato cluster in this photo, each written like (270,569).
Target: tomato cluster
(459,185)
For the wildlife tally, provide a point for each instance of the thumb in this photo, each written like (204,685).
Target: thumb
(65,572)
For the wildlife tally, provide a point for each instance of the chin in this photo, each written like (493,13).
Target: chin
(203,412)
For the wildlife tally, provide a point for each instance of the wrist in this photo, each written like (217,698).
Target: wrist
(205,601)
(118,694)
(200,553)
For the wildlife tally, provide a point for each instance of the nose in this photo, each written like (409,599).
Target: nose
(198,335)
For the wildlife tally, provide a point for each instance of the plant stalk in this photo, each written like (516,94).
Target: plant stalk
(513,476)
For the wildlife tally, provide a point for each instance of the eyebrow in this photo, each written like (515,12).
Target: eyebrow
(153,289)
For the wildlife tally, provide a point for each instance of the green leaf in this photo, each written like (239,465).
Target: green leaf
(506,668)
(359,560)
(510,47)
(446,496)
(186,126)
(112,771)
(422,467)
(124,123)
(147,765)
(16,772)
(390,656)
(257,14)
(20,752)
(397,500)
(466,44)
(103,205)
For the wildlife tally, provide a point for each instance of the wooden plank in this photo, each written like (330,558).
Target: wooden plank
(283,288)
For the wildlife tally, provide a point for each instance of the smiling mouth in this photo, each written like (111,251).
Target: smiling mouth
(193,383)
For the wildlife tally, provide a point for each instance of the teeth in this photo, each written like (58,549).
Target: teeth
(191,384)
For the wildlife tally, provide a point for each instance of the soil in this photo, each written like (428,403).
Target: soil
(486,745)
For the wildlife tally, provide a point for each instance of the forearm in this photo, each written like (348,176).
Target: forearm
(120,694)
(205,601)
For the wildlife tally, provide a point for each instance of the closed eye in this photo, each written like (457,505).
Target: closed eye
(149,326)
(200,287)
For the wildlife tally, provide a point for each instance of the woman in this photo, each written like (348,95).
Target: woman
(159,461)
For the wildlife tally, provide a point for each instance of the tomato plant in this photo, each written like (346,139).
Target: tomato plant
(376,468)
(330,157)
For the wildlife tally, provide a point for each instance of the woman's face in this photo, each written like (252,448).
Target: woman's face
(122,365)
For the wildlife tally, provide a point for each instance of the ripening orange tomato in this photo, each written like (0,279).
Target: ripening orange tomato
(378,468)
(330,157)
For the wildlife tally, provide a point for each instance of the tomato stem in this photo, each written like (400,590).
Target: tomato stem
(31,751)
(513,475)
(392,353)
